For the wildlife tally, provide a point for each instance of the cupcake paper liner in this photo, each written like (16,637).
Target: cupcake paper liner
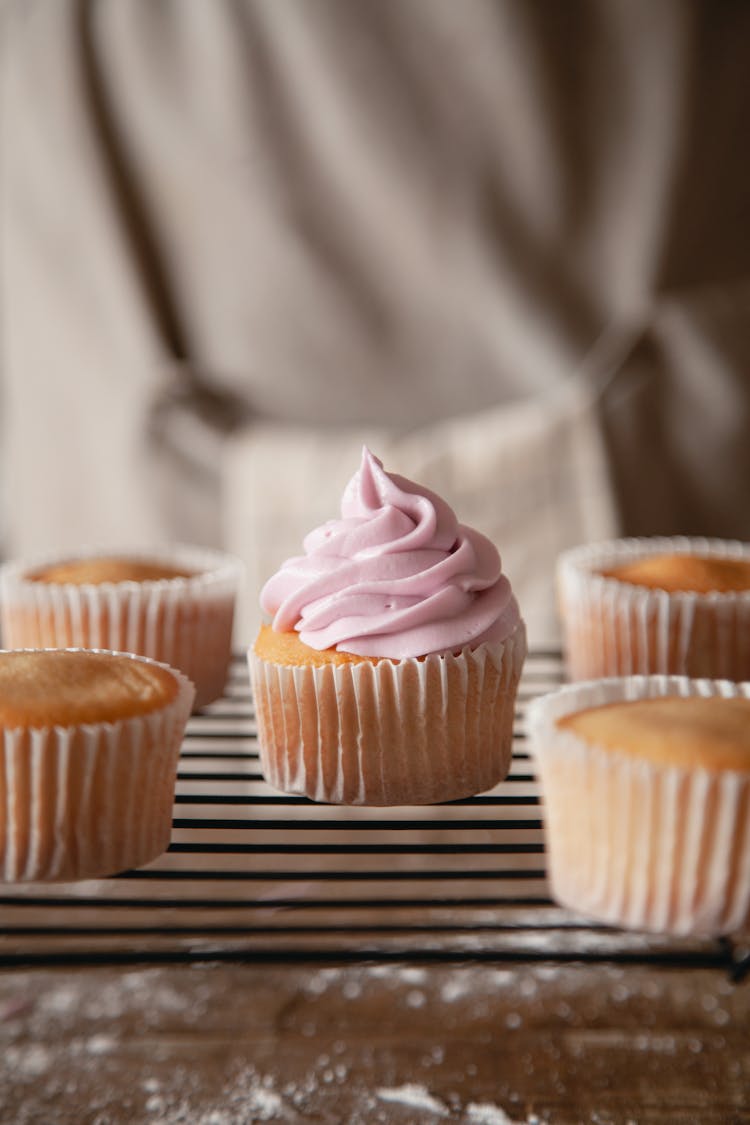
(85,801)
(183,622)
(404,733)
(633,843)
(613,628)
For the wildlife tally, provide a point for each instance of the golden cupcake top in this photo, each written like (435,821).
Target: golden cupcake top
(684,573)
(288,650)
(693,732)
(97,570)
(46,688)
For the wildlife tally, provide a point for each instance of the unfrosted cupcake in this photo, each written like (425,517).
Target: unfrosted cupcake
(389,672)
(646,787)
(175,606)
(89,743)
(672,606)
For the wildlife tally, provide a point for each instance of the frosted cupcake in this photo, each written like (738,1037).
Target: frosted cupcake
(672,606)
(646,786)
(389,671)
(175,606)
(89,743)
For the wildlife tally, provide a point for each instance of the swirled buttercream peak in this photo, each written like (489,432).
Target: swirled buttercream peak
(396,576)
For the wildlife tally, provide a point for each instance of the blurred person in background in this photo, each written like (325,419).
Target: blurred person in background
(506,242)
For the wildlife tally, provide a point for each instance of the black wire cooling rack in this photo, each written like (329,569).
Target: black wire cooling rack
(254,874)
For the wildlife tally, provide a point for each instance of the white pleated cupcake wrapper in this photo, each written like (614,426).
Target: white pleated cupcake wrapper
(612,628)
(183,622)
(87,801)
(633,843)
(412,732)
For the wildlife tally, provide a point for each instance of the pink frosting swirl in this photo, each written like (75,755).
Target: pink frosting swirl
(397,576)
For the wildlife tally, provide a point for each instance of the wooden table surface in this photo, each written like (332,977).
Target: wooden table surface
(226,1044)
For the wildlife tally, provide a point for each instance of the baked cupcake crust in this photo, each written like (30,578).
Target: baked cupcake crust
(683,573)
(114,568)
(287,650)
(63,688)
(693,732)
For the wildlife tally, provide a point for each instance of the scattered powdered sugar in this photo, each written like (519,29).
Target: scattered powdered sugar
(249,1097)
(31,1062)
(61,1000)
(264,1105)
(484,1113)
(100,1044)
(418,1097)
(246,1098)
(455,987)
(412,975)
(413,1095)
